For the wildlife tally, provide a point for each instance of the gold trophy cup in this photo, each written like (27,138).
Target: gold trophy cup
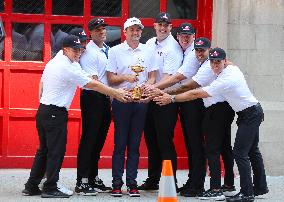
(137,91)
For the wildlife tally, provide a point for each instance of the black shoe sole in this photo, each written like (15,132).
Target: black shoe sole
(53,196)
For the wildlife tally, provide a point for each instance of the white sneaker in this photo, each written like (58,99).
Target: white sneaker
(63,189)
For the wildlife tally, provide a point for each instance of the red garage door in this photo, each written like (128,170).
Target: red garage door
(33,32)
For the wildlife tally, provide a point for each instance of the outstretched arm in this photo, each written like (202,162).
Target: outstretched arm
(187,96)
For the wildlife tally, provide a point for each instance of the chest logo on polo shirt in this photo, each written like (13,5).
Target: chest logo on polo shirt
(160,53)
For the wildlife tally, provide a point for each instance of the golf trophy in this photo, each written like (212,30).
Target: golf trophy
(137,91)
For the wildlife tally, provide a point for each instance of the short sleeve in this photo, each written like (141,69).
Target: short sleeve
(112,63)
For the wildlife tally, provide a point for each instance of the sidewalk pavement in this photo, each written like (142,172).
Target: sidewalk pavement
(12,182)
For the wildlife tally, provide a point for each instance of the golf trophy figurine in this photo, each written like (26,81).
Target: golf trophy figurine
(137,91)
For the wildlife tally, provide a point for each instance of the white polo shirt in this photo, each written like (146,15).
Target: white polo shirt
(122,56)
(204,77)
(94,61)
(231,84)
(168,55)
(190,64)
(60,79)
(76,64)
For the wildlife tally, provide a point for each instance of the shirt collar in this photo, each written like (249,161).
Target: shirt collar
(165,41)
(189,49)
(92,43)
(127,47)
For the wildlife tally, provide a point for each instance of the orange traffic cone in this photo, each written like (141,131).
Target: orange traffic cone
(167,187)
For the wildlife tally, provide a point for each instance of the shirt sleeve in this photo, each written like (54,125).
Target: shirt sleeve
(172,61)
(89,63)
(189,67)
(219,86)
(76,75)
(204,76)
(111,64)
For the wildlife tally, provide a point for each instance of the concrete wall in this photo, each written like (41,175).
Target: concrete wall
(252,32)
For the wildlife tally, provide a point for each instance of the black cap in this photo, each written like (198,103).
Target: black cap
(185,28)
(217,54)
(80,33)
(163,17)
(202,42)
(95,23)
(72,41)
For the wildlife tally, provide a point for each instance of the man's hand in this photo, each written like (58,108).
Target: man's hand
(130,78)
(123,95)
(150,91)
(163,99)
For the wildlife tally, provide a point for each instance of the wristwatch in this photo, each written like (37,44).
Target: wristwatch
(173,99)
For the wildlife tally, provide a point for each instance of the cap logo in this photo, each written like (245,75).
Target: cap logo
(186,28)
(165,16)
(78,41)
(199,43)
(214,54)
(83,33)
(100,20)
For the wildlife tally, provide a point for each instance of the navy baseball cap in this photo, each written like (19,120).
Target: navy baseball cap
(72,41)
(80,33)
(185,28)
(163,17)
(96,23)
(217,54)
(202,43)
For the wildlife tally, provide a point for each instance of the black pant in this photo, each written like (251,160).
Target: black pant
(191,117)
(129,120)
(246,151)
(96,117)
(217,128)
(159,134)
(51,123)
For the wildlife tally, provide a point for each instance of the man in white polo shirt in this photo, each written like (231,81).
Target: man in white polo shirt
(60,79)
(232,85)
(95,112)
(216,128)
(129,118)
(191,113)
(161,121)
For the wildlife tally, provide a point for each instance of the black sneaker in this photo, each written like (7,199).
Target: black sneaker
(85,189)
(54,194)
(149,185)
(190,192)
(240,197)
(98,185)
(184,186)
(116,192)
(229,191)
(258,192)
(133,191)
(31,191)
(212,194)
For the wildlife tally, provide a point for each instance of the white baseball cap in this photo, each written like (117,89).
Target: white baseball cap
(132,21)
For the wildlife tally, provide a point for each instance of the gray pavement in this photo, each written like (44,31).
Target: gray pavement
(12,182)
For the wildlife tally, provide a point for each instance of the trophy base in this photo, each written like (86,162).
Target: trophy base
(136,93)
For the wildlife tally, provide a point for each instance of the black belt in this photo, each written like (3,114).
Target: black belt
(249,109)
(53,107)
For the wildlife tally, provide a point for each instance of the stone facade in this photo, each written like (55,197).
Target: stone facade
(252,33)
